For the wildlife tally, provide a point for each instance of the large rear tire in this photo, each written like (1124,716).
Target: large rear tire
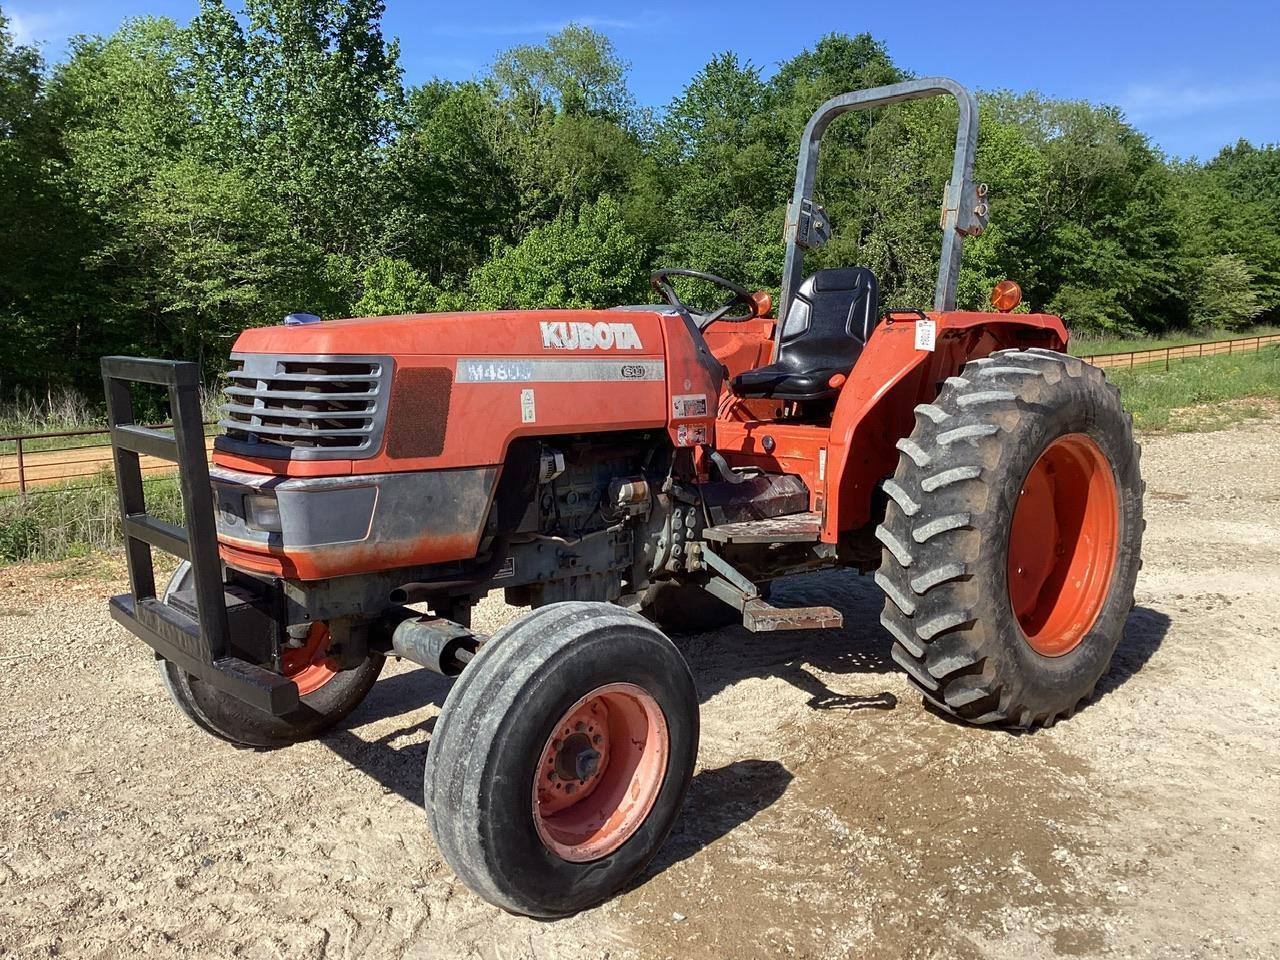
(327,695)
(561,758)
(1012,539)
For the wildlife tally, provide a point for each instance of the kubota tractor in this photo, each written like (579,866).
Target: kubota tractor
(622,471)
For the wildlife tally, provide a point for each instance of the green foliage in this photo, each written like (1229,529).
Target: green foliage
(1225,296)
(73,518)
(582,261)
(576,72)
(1096,309)
(166,186)
(394,287)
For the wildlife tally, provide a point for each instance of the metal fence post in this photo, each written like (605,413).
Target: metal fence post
(22,471)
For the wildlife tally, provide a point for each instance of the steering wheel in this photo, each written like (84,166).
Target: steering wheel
(741,297)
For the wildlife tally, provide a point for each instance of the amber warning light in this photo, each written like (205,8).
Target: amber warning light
(1006,295)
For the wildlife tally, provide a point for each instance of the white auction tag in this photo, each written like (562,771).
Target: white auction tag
(926,334)
(527,412)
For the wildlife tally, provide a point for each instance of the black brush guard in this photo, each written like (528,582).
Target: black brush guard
(199,645)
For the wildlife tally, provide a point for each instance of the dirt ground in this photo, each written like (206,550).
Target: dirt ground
(831,815)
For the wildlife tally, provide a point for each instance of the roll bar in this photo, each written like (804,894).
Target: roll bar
(964,206)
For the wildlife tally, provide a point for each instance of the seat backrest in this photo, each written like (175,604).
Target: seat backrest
(830,318)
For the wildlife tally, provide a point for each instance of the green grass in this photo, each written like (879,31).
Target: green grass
(1201,394)
(75,519)
(1084,346)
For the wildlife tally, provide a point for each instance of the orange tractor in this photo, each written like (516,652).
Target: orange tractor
(621,471)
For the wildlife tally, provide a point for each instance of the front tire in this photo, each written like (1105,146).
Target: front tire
(1012,539)
(561,758)
(326,695)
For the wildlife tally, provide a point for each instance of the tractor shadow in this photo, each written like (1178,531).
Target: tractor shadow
(395,759)
(722,798)
(1144,632)
(859,649)
(719,801)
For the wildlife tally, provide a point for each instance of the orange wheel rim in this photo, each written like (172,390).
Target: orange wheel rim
(600,772)
(310,666)
(1062,546)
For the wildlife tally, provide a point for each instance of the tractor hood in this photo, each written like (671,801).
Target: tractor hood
(517,333)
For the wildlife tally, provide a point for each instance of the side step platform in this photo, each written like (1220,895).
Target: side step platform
(758,615)
(794,528)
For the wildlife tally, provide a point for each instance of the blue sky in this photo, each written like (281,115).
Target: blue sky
(1192,76)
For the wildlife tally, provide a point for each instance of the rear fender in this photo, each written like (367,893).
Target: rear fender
(876,408)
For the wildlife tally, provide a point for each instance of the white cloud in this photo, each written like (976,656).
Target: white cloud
(40,26)
(1154,101)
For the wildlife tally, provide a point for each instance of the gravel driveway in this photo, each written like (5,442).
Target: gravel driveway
(831,814)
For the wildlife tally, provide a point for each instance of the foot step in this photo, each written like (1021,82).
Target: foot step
(795,528)
(759,616)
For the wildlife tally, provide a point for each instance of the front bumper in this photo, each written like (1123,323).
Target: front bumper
(194,634)
(352,524)
(178,637)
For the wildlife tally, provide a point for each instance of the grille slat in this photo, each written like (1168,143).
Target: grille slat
(306,377)
(305,407)
(364,413)
(252,392)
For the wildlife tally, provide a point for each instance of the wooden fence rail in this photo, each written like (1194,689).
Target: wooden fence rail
(1185,351)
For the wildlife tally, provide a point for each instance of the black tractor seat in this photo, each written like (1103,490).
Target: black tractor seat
(824,331)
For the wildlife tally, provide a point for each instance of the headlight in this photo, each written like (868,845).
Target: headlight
(262,513)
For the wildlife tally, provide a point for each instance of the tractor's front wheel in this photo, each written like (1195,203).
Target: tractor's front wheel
(561,757)
(326,694)
(1012,538)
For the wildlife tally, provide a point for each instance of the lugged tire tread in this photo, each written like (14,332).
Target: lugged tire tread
(932,578)
(900,496)
(942,478)
(895,546)
(947,477)
(933,412)
(927,531)
(913,645)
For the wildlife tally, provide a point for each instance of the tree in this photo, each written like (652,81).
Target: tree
(393,287)
(577,134)
(1231,206)
(307,94)
(121,121)
(37,235)
(582,261)
(576,71)
(1225,298)
(450,183)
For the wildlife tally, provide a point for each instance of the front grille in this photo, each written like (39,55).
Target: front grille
(305,408)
